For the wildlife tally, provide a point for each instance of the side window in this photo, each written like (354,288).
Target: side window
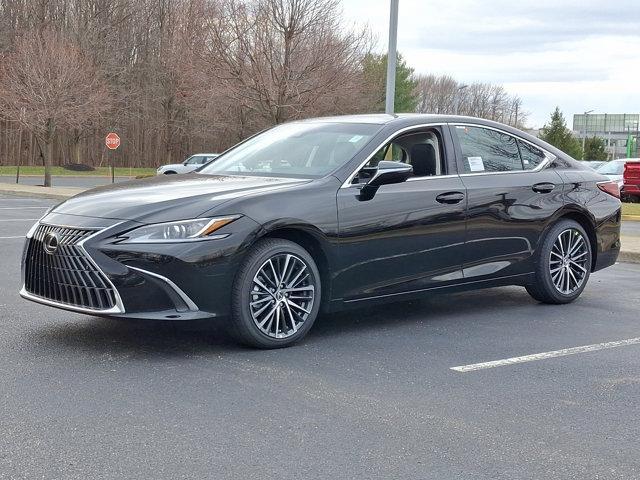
(531,156)
(422,150)
(486,150)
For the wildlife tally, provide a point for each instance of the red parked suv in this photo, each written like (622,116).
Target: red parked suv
(631,181)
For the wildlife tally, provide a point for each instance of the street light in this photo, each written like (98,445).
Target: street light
(585,131)
(457,99)
(391,58)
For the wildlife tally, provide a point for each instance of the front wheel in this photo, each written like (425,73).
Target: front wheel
(563,264)
(276,295)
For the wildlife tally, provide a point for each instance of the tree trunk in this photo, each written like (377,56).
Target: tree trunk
(48,152)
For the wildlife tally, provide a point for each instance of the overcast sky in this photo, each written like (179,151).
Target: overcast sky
(577,54)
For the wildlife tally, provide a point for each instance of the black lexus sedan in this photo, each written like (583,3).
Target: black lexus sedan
(329,213)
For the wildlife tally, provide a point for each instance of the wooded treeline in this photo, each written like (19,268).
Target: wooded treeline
(174,77)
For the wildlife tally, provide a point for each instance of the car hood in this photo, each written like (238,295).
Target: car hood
(167,198)
(171,165)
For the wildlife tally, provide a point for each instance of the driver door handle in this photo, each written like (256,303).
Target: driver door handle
(544,187)
(450,197)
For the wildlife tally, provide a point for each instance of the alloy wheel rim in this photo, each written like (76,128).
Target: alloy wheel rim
(568,261)
(282,295)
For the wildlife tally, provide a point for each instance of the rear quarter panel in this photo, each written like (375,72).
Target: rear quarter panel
(582,196)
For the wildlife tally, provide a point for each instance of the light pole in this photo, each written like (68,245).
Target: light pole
(391,58)
(457,99)
(585,131)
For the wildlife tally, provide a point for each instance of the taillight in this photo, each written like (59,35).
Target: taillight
(611,188)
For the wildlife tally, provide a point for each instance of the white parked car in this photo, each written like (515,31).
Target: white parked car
(615,169)
(189,165)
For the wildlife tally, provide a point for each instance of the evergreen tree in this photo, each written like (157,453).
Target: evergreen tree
(595,149)
(374,68)
(557,134)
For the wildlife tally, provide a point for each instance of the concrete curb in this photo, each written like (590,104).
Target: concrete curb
(69,176)
(631,218)
(627,256)
(58,193)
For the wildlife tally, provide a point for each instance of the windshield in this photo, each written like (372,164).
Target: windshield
(612,168)
(305,150)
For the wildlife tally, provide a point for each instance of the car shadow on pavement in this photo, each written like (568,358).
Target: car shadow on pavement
(435,309)
(134,337)
(150,338)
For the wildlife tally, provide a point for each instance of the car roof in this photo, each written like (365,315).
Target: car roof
(398,118)
(204,154)
(404,120)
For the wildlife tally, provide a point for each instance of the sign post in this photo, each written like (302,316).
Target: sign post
(112,141)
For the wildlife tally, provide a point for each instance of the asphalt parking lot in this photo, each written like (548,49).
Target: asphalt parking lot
(368,394)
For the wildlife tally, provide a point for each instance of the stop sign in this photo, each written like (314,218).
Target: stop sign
(112,141)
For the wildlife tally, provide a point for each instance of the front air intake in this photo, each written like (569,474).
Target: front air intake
(57,269)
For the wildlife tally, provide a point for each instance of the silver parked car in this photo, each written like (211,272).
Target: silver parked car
(614,169)
(189,165)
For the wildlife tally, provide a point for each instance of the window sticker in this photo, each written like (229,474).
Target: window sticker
(355,138)
(476,164)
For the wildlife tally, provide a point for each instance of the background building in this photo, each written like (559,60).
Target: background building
(615,129)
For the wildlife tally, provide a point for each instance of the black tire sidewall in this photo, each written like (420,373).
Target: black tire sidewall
(245,329)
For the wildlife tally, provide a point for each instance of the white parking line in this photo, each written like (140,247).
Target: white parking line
(543,355)
(7,238)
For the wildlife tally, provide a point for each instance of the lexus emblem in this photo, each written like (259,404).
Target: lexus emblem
(50,243)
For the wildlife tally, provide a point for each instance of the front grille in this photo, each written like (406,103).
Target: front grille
(66,276)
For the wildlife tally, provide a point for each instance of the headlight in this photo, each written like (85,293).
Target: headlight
(181,231)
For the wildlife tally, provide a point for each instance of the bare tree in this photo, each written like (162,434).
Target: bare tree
(443,94)
(187,75)
(46,84)
(282,59)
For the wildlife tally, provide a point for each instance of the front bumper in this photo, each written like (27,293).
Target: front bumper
(168,281)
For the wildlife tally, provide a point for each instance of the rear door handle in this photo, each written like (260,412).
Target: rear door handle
(544,187)
(450,197)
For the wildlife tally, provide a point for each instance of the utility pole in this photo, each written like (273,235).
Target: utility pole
(391,58)
(584,139)
(457,99)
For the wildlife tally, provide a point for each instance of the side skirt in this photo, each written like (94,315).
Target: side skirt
(520,279)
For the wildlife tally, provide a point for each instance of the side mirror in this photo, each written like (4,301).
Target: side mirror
(390,172)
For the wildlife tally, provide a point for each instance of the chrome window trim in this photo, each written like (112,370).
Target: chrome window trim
(549,157)
(119,306)
(185,298)
(347,183)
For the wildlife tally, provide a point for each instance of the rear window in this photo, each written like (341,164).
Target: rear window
(612,168)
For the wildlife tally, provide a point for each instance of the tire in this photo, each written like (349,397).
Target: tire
(270,314)
(170,172)
(561,278)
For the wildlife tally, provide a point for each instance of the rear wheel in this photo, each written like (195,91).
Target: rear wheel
(276,295)
(563,264)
